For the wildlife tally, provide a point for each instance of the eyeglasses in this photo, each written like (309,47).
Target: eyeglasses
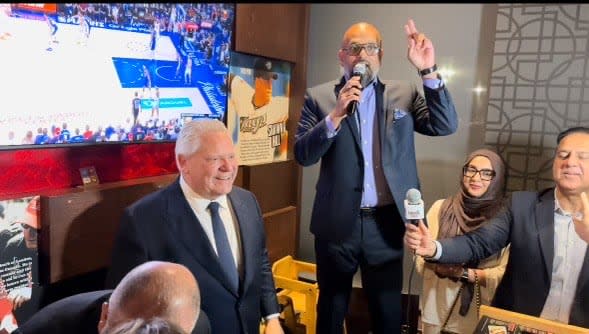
(355,49)
(486,174)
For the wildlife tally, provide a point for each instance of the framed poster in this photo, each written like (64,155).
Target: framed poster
(257,107)
(20,224)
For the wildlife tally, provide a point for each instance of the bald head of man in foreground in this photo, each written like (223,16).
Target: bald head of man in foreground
(154,289)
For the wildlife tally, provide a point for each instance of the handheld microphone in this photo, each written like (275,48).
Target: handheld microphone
(413,206)
(360,70)
(413,213)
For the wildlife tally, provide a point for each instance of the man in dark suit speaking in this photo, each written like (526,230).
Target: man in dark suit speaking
(362,130)
(547,274)
(212,227)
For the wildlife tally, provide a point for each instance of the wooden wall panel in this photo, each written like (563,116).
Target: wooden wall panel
(271,30)
(275,185)
(281,230)
(79,226)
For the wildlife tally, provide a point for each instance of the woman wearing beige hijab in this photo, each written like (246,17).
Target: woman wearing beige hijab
(451,293)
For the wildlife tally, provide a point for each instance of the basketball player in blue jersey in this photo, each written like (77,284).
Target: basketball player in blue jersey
(136,105)
(152,41)
(52,31)
(146,76)
(65,134)
(188,71)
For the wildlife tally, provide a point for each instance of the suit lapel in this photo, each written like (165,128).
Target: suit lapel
(381,115)
(544,218)
(350,122)
(246,233)
(582,285)
(193,238)
(583,276)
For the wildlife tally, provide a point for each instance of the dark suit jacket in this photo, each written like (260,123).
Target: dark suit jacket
(162,226)
(401,110)
(79,314)
(529,226)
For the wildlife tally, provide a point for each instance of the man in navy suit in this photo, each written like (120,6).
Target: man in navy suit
(179,224)
(367,165)
(547,274)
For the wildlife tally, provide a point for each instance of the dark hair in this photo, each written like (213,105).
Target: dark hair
(576,129)
(264,68)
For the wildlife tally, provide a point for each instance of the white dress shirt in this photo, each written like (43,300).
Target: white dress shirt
(569,252)
(199,206)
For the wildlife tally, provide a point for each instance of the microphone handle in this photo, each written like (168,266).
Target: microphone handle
(352,108)
(414,222)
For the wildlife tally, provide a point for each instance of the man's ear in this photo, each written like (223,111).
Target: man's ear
(181,162)
(341,54)
(103,317)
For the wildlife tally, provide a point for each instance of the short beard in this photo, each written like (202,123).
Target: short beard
(368,76)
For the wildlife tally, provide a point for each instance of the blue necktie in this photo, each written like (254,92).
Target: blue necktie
(223,248)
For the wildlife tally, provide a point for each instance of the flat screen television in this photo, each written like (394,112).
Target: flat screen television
(75,74)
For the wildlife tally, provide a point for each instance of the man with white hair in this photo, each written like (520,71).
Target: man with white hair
(210,226)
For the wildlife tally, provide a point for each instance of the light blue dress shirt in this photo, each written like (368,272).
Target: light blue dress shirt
(373,195)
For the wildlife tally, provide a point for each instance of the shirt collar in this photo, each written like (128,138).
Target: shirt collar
(198,202)
(557,208)
(369,88)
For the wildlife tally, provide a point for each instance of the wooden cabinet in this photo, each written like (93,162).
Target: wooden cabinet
(79,225)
